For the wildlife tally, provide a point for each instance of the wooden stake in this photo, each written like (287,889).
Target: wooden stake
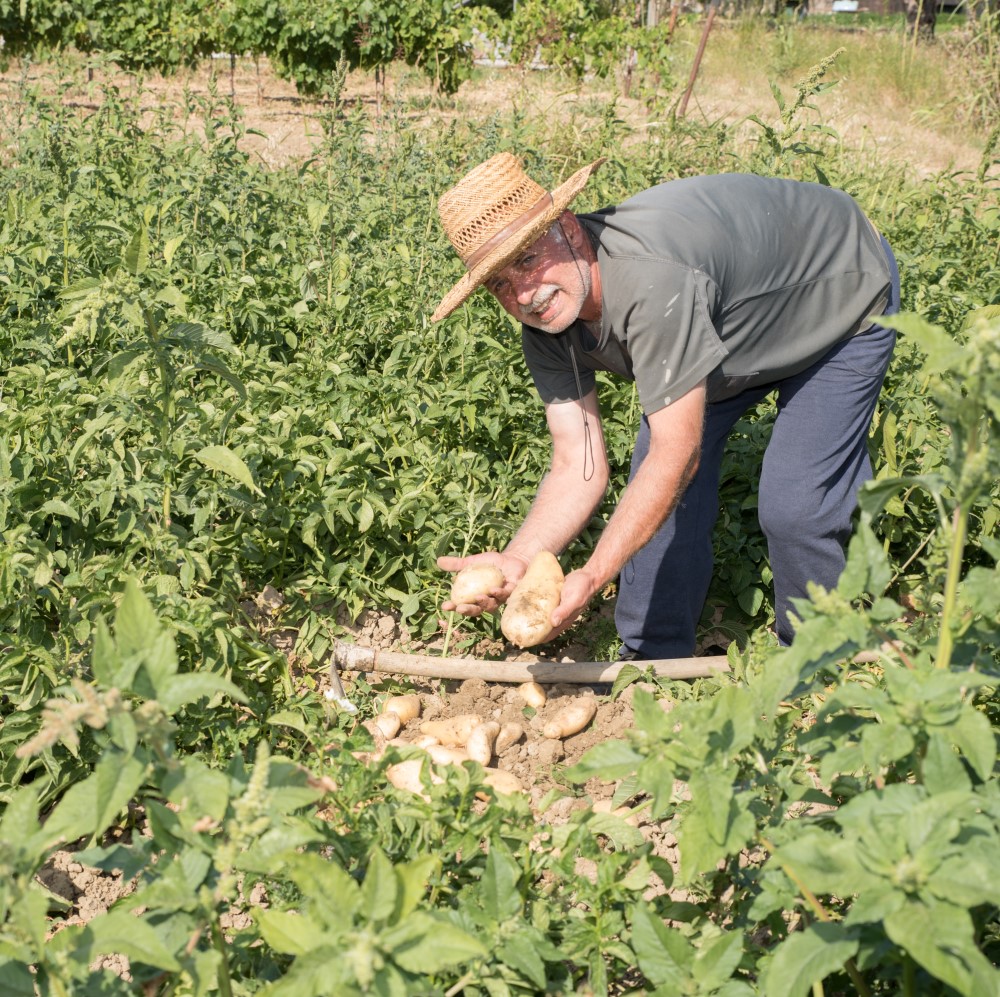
(672,23)
(697,60)
(350,657)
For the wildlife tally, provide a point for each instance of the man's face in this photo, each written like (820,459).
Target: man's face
(547,285)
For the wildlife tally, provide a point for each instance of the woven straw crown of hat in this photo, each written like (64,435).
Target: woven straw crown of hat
(493,213)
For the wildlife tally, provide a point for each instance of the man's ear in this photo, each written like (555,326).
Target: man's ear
(572,229)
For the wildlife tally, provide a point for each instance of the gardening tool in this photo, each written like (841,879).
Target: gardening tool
(336,693)
(365,659)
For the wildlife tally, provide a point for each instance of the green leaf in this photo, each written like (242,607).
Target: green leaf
(500,895)
(365,516)
(750,600)
(28,916)
(200,791)
(192,686)
(622,835)
(56,507)
(316,212)
(521,953)
(117,780)
(105,661)
(75,814)
(808,957)
(19,820)
(826,863)
(715,823)
(82,288)
(943,352)
(884,743)
(122,932)
(224,460)
(867,571)
(136,625)
(650,716)
(15,979)
(656,949)
(980,589)
(939,937)
(609,759)
(192,334)
(425,944)
(627,674)
(380,889)
(875,904)
(973,735)
(968,878)
(290,933)
(289,718)
(136,255)
(942,769)
(413,878)
(170,247)
(128,860)
(89,806)
(717,960)
(159,663)
(332,892)
(732,717)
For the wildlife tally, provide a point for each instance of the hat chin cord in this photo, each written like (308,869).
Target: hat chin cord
(588,444)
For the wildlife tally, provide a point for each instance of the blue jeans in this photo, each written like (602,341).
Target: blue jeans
(814,464)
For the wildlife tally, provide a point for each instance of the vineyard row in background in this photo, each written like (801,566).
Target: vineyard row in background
(313,42)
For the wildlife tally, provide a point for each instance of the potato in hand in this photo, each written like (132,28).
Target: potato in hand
(526,619)
(474,582)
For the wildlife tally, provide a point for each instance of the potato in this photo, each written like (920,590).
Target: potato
(407,708)
(510,733)
(604,807)
(481,740)
(442,755)
(453,732)
(533,694)
(502,782)
(406,775)
(388,723)
(379,742)
(571,718)
(475,581)
(526,617)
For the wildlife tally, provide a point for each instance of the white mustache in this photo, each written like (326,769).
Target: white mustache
(541,300)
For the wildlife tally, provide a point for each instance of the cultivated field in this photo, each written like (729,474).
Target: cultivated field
(232,438)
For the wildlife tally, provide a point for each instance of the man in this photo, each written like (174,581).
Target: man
(710,293)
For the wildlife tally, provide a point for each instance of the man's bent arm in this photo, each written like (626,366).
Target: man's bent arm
(574,485)
(674,447)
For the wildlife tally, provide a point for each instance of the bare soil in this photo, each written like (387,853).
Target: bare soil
(284,129)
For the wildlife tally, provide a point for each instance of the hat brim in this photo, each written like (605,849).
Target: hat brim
(509,250)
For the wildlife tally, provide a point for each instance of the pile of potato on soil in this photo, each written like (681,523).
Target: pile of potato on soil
(514,732)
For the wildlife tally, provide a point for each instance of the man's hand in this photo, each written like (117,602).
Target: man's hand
(578,589)
(512,566)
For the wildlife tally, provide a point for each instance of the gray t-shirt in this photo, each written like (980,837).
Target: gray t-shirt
(740,279)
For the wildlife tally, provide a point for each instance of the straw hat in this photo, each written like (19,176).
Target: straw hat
(493,213)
